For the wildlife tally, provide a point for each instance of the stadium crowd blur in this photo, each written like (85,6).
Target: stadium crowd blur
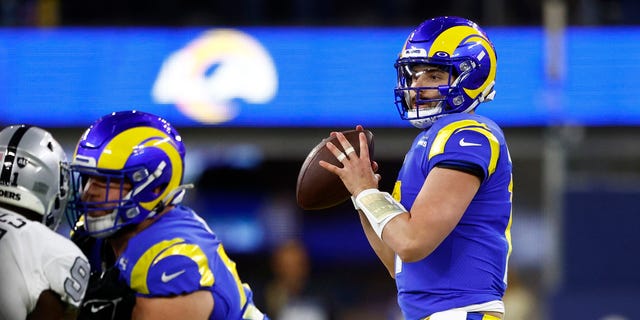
(341,286)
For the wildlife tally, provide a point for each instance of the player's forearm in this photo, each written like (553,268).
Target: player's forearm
(384,252)
(48,306)
(194,305)
(409,241)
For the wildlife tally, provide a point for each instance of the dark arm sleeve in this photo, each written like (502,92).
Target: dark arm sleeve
(464,166)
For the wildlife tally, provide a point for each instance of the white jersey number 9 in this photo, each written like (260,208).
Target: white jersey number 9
(76,285)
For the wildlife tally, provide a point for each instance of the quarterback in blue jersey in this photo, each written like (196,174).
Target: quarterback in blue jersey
(444,233)
(127,188)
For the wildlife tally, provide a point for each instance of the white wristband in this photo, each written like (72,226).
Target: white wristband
(355,205)
(379,208)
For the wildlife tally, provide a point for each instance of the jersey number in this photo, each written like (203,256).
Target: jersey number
(76,284)
(12,221)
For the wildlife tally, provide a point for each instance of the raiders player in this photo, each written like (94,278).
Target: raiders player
(43,275)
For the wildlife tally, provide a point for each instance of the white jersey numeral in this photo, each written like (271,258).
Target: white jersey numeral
(76,285)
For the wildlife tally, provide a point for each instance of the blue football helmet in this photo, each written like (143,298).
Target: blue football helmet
(132,147)
(461,48)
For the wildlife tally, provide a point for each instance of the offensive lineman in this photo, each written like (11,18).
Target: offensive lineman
(127,190)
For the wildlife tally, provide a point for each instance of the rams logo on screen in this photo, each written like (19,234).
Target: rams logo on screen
(207,77)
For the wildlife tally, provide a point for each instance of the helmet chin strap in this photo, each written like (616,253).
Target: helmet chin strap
(427,116)
(176,194)
(424,123)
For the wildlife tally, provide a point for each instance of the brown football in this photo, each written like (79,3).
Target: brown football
(318,188)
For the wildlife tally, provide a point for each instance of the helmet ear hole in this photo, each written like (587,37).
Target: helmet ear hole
(159,189)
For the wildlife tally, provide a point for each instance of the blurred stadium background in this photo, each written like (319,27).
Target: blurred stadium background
(290,72)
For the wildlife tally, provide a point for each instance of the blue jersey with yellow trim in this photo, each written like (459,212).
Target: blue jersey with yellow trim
(179,254)
(469,267)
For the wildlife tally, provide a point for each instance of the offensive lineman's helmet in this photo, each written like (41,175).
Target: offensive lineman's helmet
(458,46)
(132,147)
(34,173)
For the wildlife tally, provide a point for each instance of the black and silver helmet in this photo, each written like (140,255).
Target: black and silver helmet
(34,174)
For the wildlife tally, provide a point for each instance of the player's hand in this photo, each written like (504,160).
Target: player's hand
(374,164)
(358,172)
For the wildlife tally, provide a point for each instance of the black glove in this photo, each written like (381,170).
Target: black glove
(108,297)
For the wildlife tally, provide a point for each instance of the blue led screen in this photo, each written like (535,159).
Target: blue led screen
(270,77)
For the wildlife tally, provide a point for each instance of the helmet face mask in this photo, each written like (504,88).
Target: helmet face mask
(35,173)
(419,101)
(457,46)
(138,159)
(114,209)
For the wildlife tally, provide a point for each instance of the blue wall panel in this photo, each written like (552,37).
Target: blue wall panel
(267,77)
